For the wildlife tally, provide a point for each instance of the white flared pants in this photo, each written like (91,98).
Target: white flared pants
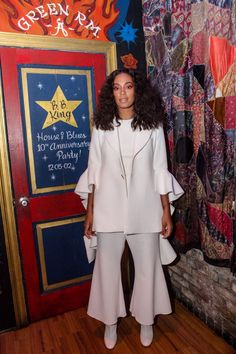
(150,294)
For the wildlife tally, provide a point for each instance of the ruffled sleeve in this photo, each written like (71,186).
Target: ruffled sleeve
(164,181)
(90,176)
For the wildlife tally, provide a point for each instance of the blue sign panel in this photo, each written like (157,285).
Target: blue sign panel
(57,105)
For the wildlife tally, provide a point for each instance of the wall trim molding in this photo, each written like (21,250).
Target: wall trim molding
(8,39)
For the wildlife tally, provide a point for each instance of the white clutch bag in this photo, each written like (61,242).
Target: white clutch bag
(167,253)
(90,247)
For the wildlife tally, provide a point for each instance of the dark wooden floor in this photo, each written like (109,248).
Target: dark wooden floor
(74,333)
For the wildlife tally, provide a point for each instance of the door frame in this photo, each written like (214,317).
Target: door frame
(9,224)
(6,188)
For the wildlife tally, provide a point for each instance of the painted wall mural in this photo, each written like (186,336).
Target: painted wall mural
(119,21)
(83,19)
(191,57)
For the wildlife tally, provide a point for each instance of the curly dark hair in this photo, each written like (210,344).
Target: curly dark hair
(149,110)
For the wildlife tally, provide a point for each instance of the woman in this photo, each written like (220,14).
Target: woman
(129,189)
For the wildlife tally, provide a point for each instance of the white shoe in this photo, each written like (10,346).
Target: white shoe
(110,336)
(146,335)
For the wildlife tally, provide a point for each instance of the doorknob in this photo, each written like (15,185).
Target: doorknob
(24,201)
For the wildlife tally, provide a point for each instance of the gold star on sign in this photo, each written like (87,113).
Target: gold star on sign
(59,109)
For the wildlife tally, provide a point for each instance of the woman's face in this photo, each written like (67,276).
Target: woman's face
(124,93)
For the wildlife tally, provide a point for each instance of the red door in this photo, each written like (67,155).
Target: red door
(49,97)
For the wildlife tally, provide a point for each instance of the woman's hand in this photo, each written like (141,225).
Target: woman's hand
(88,223)
(167,225)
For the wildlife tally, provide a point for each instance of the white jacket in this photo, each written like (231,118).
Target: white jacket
(135,208)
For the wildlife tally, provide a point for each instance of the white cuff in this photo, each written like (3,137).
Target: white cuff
(165,183)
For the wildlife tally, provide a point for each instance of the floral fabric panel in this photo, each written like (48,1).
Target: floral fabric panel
(191,58)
